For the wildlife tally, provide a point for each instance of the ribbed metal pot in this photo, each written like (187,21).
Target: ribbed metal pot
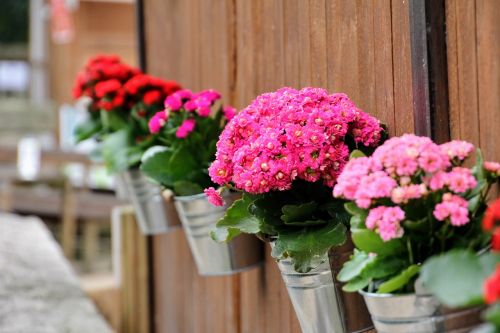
(198,217)
(314,298)
(411,313)
(154,213)
(121,186)
(318,299)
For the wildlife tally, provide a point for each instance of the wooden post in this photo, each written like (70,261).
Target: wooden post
(134,273)
(69,227)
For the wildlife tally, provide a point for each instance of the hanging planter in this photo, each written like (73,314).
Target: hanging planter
(318,299)
(412,313)
(155,214)
(198,217)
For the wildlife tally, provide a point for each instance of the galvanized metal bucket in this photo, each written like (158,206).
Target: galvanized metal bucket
(314,298)
(121,186)
(412,313)
(198,217)
(318,299)
(154,213)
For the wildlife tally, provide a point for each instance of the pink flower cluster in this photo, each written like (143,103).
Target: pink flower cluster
(214,196)
(492,167)
(195,104)
(386,221)
(289,134)
(200,102)
(407,168)
(453,207)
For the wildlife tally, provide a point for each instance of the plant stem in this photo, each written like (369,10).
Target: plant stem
(410,250)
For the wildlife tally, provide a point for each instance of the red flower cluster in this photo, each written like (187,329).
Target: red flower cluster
(149,89)
(491,223)
(112,84)
(102,79)
(492,287)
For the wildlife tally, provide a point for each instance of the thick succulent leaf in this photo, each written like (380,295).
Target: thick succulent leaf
(305,246)
(493,315)
(298,213)
(236,220)
(87,130)
(155,163)
(184,187)
(399,281)
(456,278)
(352,209)
(369,241)
(115,151)
(356,153)
(383,267)
(353,268)
(356,284)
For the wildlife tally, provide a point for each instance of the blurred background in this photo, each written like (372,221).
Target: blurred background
(43,44)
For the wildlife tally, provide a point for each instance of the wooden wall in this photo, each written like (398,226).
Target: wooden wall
(244,48)
(473,39)
(104,26)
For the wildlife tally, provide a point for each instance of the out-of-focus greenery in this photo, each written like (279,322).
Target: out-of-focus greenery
(14,21)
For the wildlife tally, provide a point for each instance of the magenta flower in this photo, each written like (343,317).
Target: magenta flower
(290,134)
(214,196)
(454,208)
(229,112)
(173,102)
(186,127)
(157,122)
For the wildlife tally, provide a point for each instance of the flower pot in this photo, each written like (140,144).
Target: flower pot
(121,186)
(412,313)
(318,299)
(198,217)
(155,214)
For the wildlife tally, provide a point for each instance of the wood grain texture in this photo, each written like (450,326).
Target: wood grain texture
(473,48)
(244,48)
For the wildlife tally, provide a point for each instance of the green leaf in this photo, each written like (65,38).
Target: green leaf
(356,284)
(87,130)
(113,121)
(383,267)
(298,213)
(184,187)
(369,241)
(308,246)
(155,163)
(399,281)
(115,151)
(356,154)
(356,264)
(493,314)
(236,220)
(352,209)
(456,278)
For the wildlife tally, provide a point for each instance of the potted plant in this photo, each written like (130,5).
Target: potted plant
(284,152)
(121,100)
(411,200)
(464,278)
(188,130)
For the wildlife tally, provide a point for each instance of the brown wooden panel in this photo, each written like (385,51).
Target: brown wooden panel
(244,48)
(473,49)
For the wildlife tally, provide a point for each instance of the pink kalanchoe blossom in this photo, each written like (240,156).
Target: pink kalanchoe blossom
(291,134)
(493,167)
(229,112)
(460,180)
(173,102)
(157,122)
(386,222)
(457,149)
(186,127)
(214,196)
(454,208)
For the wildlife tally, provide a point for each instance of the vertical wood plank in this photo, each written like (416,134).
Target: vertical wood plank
(488,75)
(401,56)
